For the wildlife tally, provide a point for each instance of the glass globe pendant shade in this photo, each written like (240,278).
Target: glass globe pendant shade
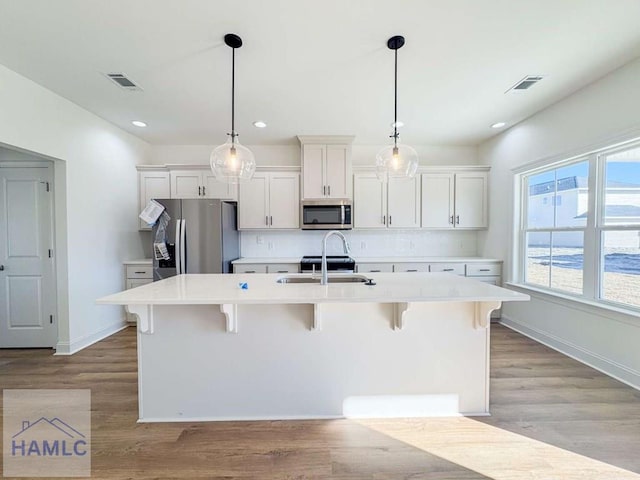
(396,161)
(232,162)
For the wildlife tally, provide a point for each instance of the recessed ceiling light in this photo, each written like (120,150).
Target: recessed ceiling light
(138,123)
(397,124)
(498,125)
(259,124)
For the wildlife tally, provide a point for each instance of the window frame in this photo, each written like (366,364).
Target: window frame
(593,230)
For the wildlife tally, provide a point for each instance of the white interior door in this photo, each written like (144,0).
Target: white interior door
(27,287)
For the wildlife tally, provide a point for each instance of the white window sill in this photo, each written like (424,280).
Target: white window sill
(626,315)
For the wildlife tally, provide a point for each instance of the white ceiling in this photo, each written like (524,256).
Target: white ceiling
(316,66)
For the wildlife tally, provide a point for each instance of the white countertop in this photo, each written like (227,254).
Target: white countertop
(358,259)
(143,261)
(214,289)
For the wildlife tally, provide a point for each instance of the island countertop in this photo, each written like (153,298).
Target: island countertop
(212,289)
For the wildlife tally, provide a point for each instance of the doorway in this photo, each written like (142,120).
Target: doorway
(27,256)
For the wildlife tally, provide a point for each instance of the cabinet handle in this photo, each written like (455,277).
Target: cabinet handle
(270,220)
(199,191)
(329,190)
(283,271)
(447,269)
(203,191)
(412,270)
(384,219)
(389,219)
(451,219)
(485,270)
(324,190)
(1,268)
(249,271)
(457,219)
(374,271)
(266,220)
(139,272)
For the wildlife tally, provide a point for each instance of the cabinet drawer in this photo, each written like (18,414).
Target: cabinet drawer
(250,268)
(137,282)
(491,280)
(483,269)
(139,271)
(411,267)
(283,268)
(455,268)
(374,267)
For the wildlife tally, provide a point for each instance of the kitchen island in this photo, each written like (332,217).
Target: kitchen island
(412,344)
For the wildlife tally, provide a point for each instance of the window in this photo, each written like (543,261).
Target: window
(583,216)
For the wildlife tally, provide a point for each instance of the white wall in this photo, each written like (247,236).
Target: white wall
(602,113)
(96,193)
(378,243)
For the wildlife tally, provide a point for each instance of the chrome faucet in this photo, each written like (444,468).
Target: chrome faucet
(347,250)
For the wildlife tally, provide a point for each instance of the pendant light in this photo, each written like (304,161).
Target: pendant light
(232,162)
(397,160)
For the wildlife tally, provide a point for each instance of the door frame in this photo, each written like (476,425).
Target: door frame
(18,157)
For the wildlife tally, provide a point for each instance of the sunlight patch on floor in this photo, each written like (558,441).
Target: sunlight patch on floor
(493,452)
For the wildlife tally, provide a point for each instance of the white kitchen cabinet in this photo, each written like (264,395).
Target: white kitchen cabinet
(326,167)
(454,267)
(395,204)
(151,184)
(270,200)
(454,200)
(266,267)
(250,268)
(374,267)
(283,267)
(411,267)
(136,274)
(192,183)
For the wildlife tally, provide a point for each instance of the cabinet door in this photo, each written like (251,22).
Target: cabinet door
(338,171)
(253,198)
(471,200)
(374,267)
(284,200)
(151,185)
(212,188)
(250,268)
(369,201)
(410,267)
(283,268)
(313,182)
(437,200)
(186,184)
(403,203)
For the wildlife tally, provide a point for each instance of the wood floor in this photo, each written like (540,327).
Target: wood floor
(552,418)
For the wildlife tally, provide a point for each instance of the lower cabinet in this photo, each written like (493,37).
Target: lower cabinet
(136,274)
(266,268)
(374,267)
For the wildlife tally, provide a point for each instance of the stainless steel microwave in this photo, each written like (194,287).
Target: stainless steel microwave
(329,214)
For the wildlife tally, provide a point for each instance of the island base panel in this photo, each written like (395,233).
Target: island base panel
(277,367)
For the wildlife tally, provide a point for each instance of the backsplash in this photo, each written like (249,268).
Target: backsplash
(371,243)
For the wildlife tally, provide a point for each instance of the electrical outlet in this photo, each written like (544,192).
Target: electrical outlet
(270,245)
(259,239)
(412,245)
(363,245)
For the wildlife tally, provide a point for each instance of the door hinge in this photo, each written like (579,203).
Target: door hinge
(50,318)
(50,253)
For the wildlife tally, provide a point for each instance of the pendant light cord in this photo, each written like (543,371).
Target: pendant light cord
(395,101)
(233,95)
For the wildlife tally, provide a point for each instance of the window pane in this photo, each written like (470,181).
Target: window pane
(567,261)
(622,194)
(621,265)
(571,200)
(540,200)
(537,271)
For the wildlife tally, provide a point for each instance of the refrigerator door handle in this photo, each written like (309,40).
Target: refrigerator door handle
(177,246)
(183,247)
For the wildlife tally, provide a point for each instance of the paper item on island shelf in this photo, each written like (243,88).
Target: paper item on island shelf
(152,212)
(160,251)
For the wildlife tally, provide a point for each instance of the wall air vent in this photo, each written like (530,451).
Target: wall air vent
(122,81)
(525,84)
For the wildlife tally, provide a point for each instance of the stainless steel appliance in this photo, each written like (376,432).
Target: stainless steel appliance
(335,263)
(328,214)
(202,237)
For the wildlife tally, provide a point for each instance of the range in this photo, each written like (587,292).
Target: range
(335,263)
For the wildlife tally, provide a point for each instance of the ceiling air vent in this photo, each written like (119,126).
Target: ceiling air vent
(122,81)
(525,84)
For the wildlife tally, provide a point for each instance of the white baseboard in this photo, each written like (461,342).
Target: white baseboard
(69,348)
(592,359)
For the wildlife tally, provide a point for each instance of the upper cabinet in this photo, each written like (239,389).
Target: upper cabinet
(395,204)
(200,183)
(152,183)
(326,167)
(270,200)
(455,200)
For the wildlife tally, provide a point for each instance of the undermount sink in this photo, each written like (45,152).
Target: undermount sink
(332,279)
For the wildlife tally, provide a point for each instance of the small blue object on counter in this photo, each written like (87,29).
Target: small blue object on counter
(243,286)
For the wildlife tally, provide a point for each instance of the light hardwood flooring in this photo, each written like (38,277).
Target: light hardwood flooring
(552,418)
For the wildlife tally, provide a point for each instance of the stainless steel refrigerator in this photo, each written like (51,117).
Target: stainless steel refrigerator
(201,237)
